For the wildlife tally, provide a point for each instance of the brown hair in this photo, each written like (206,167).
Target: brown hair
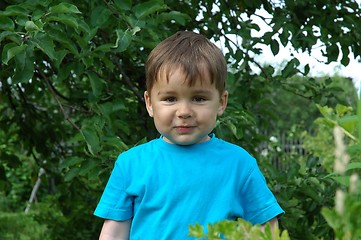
(194,53)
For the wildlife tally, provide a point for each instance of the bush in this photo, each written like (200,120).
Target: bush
(21,226)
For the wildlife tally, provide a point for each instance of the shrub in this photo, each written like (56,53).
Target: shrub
(21,226)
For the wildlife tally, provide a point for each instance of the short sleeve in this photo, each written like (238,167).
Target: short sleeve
(259,203)
(115,203)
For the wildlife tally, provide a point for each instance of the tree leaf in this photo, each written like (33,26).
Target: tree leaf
(71,174)
(11,50)
(284,37)
(274,47)
(123,40)
(306,69)
(6,23)
(92,139)
(87,166)
(291,68)
(142,10)
(345,59)
(332,52)
(354,165)
(66,19)
(45,44)
(344,180)
(99,16)
(6,34)
(14,10)
(64,8)
(180,18)
(24,66)
(59,36)
(123,4)
(96,83)
(30,26)
(71,161)
(331,217)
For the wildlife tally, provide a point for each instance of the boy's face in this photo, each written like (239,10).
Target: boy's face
(184,114)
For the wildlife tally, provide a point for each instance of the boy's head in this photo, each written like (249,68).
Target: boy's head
(186,93)
(191,52)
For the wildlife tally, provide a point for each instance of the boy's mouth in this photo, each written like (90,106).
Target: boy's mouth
(184,129)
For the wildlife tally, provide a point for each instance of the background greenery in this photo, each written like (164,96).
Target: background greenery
(72,79)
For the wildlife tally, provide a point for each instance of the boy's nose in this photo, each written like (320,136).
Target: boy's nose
(184,110)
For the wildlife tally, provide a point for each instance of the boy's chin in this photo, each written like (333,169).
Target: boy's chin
(185,142)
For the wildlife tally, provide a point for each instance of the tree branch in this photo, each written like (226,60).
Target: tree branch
(58,101)
(129,82)
(57,92)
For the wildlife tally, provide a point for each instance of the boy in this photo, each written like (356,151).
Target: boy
(186,176)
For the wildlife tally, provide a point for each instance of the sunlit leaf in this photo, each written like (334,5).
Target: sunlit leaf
(31,27)
(64,8)
(123,40)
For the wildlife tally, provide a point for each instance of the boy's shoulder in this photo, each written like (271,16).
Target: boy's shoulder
(223,144)
(143,147)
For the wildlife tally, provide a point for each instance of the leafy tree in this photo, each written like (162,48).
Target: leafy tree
(72,78)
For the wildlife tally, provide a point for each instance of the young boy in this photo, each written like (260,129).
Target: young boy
(188,175)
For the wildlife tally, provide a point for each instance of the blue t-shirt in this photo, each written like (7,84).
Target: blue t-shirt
(165,188)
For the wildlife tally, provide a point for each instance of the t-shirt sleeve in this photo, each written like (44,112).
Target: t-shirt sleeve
(115,203)
(259,203)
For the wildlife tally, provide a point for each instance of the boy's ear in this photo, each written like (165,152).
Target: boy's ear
(148,103)
(223,103)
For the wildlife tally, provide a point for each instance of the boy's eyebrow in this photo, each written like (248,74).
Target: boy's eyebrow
(202,91)
(198,91)
(166,92)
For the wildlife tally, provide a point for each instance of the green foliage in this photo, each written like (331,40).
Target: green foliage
(240,229)
(346,224)
(72,82)
(302,189)
(345,168)
(321,144)
(21,226)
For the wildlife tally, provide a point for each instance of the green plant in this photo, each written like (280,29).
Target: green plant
(72,79)
(237,230)
(302,190)
(21,226)
(344,218)
(339,153)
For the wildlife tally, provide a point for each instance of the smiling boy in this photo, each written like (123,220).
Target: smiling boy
(188,175)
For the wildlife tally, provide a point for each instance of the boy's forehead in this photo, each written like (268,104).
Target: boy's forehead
(168,72)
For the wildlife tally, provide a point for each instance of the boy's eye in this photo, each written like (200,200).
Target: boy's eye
(199,99)
(169,99)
